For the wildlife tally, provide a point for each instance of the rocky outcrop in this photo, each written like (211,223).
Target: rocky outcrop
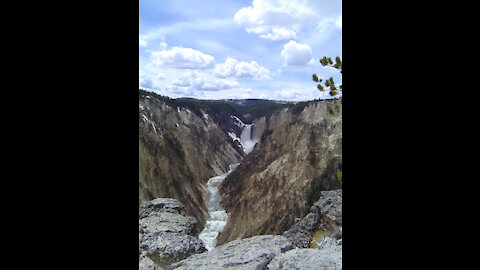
(250,253)
(322,225)
(318,237)
(298,155)
(166,234)
(306,258)
(330,243)
(179,150)
(161,205)
(145,263)
(301,233)
(330,206)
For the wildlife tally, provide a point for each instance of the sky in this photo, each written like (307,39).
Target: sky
(265,49)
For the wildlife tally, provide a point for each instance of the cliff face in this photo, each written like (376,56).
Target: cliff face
(298,154)
(179,150)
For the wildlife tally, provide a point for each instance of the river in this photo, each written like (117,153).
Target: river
(218,216)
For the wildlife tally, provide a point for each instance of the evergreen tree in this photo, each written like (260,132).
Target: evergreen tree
(329,82)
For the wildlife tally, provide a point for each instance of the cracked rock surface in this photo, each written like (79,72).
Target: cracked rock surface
(325,219)
(308,258)
(249,253)
(166,234)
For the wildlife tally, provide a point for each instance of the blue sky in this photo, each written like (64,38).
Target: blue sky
(238,49)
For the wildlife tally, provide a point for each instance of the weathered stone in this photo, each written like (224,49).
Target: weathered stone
(168,222)
(146,263)
(301,233)
(329,243)
(161,205)
(324,219)
(330,205)
(249,253)
(166,234)
(306,258)
(165,248)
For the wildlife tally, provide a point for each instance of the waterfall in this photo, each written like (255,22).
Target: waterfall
(246,139)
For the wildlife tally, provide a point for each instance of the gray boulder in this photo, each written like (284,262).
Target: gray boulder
(168,222)
(329,243)
(145,263)
(165,248)
(301,233)
(249,253)
(161,205)
(166,234)
(307,258)
(330,205)
(324,219)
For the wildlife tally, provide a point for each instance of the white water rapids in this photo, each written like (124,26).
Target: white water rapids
(218,216)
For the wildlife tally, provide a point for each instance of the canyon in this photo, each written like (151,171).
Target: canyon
(244,169)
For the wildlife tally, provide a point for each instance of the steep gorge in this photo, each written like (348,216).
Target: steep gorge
(287,154)
(299,154)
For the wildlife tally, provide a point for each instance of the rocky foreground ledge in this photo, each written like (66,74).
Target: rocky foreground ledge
(166,234)
(249,253)
(323,221)
(168,240)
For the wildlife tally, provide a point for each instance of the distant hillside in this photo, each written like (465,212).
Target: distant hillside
(246,109)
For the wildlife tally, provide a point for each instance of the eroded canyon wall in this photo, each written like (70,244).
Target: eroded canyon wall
(179,150)
(298,155)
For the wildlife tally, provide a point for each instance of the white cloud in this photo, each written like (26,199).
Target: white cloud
(145,83)
(210,45)
(142,42)
(296,54)
(302,92)
(235,93)
(161,76)
(338,22)
(221,33)
(327,24)
(147,79)
(157,32)
(279,19)
(203,81)
(280,33)
(287,94)
(298,93)
(185,58)
(182,91)
(234,68)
